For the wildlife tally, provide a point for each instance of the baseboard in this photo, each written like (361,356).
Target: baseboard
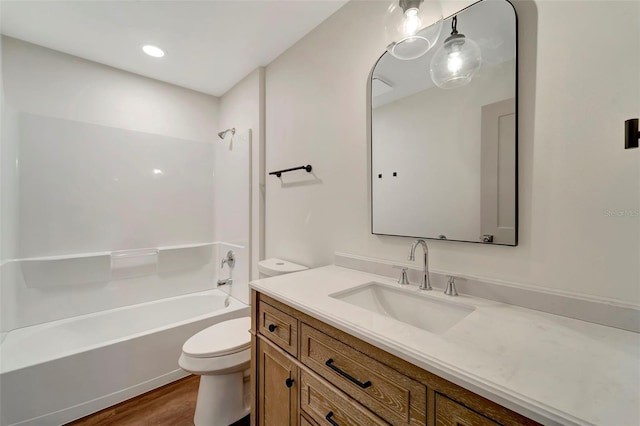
(585,308)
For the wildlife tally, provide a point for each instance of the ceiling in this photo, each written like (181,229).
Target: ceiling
(209,45)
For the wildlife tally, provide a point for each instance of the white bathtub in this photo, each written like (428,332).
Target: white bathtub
(56,372)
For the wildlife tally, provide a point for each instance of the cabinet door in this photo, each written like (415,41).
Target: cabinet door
(277,387)
(450,413)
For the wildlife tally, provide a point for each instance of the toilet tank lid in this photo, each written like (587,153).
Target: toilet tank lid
(275,266)
(224,338)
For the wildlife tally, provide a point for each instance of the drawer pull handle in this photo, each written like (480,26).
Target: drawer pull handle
(272,327)
(329,416)
(289,382)
(346,375)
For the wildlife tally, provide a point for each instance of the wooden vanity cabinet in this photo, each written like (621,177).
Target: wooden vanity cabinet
(308,373)
(450,413)
(278,386)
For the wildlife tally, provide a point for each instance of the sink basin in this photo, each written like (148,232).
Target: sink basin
(408,306)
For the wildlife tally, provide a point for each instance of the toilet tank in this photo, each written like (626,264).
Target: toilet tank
(274,266)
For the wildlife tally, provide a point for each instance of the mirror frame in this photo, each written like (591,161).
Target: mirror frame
(517,132)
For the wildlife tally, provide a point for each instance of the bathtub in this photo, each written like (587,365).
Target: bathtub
(57,372)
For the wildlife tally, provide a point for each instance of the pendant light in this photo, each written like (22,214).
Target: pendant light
(456,61)
(412,27)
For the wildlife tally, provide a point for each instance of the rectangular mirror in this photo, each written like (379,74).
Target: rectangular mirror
(444,161)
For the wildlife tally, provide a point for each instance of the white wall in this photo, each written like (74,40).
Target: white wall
(103,130)
(242,107)
(46,82)
(579,189)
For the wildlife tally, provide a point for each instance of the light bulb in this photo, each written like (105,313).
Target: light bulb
(454,62)
(412,22)
(412,27)
(154,51)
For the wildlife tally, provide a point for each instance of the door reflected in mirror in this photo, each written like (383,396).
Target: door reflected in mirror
(444,161)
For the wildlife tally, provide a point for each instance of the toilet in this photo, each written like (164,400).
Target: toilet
(274,266)
(220,354)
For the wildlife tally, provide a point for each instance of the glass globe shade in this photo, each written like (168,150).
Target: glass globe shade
(455,62)
(412,27)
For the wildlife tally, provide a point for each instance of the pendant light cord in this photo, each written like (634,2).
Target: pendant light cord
(454,25)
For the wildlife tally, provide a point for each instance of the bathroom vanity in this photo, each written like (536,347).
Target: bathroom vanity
(324,352)
(312,373)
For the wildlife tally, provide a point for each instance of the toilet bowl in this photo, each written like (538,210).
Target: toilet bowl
(221,355)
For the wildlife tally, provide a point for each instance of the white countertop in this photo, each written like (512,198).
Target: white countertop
(552,369)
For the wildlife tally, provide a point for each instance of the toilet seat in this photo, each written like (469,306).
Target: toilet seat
(224,338)
(220,349)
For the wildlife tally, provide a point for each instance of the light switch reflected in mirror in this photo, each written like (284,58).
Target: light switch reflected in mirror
(444,162)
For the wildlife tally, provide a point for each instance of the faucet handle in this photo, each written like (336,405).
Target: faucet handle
(451,287)
(229,259)
(404,279)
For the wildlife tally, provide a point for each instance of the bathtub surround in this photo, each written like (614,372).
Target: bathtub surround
(88,188)
(573,170)
(92,198)
(117,127)
(106,129)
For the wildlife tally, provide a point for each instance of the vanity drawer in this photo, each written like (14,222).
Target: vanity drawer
(450,413)
(278,327)
(326,405)
(383,390)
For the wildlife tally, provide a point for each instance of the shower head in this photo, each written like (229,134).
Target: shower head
(222,134)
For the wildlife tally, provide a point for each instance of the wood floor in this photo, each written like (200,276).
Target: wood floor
(170,405)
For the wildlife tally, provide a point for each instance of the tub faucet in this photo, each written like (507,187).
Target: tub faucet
(230,260)
(424,282)
(225,281)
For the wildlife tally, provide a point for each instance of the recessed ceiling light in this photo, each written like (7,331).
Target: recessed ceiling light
(154,51)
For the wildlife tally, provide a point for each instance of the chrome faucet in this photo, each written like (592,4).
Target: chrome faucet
(230,260)
(424,283)
(225,281)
